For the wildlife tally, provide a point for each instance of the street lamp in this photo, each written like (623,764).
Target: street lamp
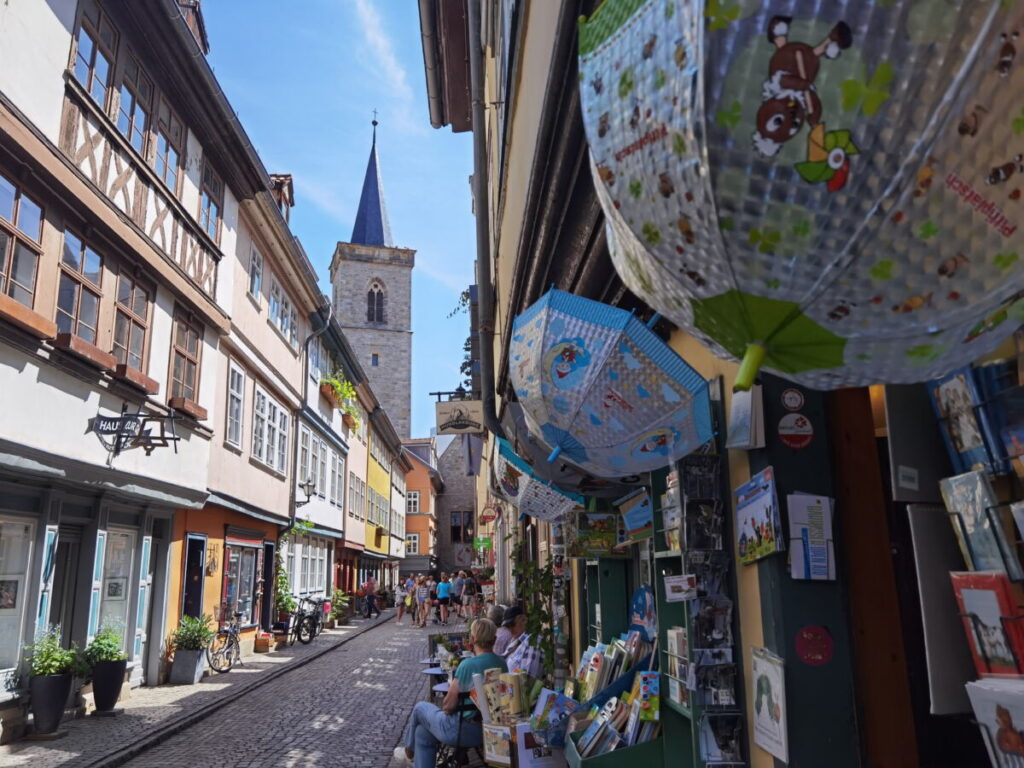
(308,488)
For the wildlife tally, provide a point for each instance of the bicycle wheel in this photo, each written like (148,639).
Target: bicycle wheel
(220,652)
(307,630)
(293,628)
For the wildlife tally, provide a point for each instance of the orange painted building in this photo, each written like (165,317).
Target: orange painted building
(423,484)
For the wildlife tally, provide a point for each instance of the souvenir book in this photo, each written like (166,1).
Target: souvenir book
(721,738)
(1008,407)
(769,681)
(712,622)
(985,545)
(998,706)
(702,525)
(955,399)
(672,519)
(533,752)
(551,716)
(637,512)
(985,600)
(497,744)
(650,695)
(757,518)
(511,692)
(479,697)
(746,420)
(992,380)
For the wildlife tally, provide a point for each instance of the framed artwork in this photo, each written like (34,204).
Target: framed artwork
(11,595)
(984,599)
(116,588)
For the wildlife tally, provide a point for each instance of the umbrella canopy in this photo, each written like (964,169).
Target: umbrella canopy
(828,188)
(516,482)
(562,473)
(603,390)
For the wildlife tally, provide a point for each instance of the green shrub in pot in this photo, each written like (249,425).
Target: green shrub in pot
(52,668)
(108,662)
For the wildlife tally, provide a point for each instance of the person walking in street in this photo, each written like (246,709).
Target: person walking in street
(370,591)
(430,726)
(401,598)
(469,590)
(422,596)
(444,593)
(457,584)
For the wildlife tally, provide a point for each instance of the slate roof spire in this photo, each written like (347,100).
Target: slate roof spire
(372,226)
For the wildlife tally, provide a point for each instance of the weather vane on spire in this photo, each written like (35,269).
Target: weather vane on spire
(375,118)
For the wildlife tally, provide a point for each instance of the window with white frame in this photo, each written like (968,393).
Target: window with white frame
(412,543)
(255,273)
(303,564)
(236,399)
(303,455)
(362,499)
(314,464)
(351,494)
(269,431)
(412,503)
(333,479)
(322,480)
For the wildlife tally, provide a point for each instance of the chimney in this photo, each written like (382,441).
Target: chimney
(284,193)
(193,16)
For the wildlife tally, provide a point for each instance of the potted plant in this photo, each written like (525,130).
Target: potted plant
(189,642)
(52,670)
(339,607)
(341,392)
(108,664)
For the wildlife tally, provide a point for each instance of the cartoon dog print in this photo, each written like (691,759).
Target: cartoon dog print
(789,99)
(971,122)
(1007,53)
(1002,173)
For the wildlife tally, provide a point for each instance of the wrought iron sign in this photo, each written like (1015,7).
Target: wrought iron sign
(135,430)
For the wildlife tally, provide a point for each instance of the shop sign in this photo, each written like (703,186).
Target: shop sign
(460,417)
(134,430)
(796,430)
(482,542)
(489,514)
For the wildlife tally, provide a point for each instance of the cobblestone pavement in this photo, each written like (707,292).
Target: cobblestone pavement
(308,715)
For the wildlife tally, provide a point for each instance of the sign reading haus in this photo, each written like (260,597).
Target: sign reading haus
(459,417)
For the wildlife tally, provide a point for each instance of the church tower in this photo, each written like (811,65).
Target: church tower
(371,282)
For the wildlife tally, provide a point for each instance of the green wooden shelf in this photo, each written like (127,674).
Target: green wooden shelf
(682,709)
(668,553)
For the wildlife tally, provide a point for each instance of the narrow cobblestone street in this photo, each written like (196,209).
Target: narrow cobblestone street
(346,707)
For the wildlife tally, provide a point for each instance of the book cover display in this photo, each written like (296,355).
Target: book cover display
(757,517)
(986,602)
(637,512)
(497,744)
(970,500)
(955,399)
(998,706)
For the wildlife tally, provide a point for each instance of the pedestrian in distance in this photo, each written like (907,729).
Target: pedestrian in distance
(457,584)
(422,596)
(401,596)
(444,592)
(469,593)
(370,591)
(430,726)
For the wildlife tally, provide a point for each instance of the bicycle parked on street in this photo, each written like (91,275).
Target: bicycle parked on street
(311,623)
(224,650)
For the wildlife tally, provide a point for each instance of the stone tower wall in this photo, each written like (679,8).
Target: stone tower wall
(354,268)
(459,494)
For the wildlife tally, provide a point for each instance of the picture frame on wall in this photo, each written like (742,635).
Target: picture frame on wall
(116,588)
(12,590)
(985,601)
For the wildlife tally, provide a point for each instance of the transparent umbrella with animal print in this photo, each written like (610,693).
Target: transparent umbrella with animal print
(831,190)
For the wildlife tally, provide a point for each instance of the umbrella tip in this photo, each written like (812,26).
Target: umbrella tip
(753,358)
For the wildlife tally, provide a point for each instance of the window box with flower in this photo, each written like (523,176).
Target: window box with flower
(341,393)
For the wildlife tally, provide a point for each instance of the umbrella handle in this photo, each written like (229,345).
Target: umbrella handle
(554,453)
(749,367)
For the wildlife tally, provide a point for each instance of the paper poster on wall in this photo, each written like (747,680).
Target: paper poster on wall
(769,681)
(811,552)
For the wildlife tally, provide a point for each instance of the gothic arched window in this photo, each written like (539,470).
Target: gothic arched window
(375,303)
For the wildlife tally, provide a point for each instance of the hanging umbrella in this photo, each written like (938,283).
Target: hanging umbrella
(830,189)
(562,473)
(603,390)
(515,481)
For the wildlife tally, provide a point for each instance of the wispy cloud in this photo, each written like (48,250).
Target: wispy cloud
(453,280)
(384,60)
(325,197)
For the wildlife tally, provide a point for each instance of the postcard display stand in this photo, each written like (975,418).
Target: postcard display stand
(714,709)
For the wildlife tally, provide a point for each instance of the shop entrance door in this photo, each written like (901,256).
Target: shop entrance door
(195,568)
(65,579)
(266,609)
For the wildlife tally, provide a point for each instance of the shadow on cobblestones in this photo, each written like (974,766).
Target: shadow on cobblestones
(152,715)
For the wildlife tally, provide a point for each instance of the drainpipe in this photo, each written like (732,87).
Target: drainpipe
(304,394)
(485,318)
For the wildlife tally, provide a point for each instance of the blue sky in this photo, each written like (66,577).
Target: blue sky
(305,84)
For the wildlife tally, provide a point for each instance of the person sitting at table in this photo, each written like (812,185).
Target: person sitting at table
(430,725)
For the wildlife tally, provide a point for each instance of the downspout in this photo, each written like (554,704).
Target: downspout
(430,66)
(304,393)
(485,318)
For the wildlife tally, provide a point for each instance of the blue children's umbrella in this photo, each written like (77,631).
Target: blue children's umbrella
(516,482)
(603,390)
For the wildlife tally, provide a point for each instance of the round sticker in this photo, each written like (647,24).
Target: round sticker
(814,646)
(793,399)
(796,430)
(488,515)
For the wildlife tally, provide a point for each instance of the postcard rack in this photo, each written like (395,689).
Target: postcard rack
(712,711)
(1014,570)
(977,629)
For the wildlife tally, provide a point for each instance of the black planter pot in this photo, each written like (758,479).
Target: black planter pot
(49,695)
(107,677)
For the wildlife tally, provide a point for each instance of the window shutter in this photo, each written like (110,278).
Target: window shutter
(96,594)
(145,589)
(48,561)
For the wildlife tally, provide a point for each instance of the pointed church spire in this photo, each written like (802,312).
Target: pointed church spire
(372,226)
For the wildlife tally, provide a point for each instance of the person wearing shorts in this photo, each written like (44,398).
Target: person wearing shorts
(422,594)
(444,593)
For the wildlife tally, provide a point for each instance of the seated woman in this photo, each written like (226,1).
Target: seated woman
(430,726)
